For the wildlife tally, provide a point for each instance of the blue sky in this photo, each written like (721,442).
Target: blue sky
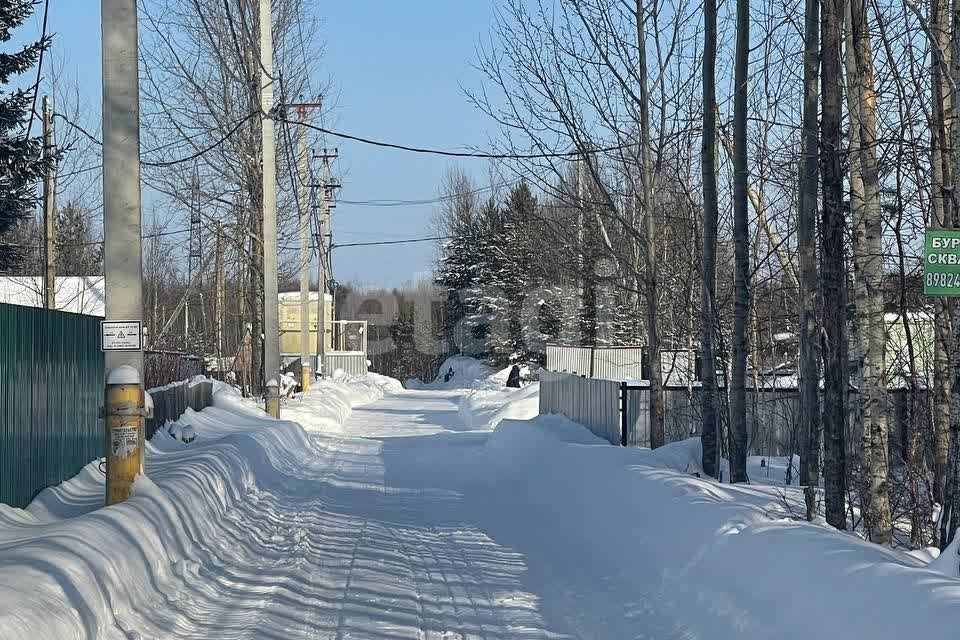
(398,67)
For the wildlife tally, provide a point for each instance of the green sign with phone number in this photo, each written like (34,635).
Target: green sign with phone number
(941,262)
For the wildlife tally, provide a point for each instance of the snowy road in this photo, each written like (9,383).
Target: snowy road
(397,521)
(396,560)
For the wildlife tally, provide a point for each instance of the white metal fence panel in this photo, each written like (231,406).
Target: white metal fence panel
(564,359)
(618,363)
(354,363)
(593,403)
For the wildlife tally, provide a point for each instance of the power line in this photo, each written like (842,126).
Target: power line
(426,201)
(463,154)
(385,242)
(236,126)
(94,243)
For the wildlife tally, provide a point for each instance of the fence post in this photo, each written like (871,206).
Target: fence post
(623,414)
(593,356)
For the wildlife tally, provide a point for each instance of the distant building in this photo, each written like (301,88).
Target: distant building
(290,324)
(76,294)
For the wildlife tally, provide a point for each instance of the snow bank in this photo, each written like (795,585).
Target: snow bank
(485,409)
(675,556)
(467,374)
(161,561)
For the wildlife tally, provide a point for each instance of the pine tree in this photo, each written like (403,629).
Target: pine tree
(460,272)
(78,251)
(402,332)
(20,156)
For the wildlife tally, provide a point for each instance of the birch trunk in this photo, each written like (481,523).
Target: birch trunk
(806,238)
(650,242)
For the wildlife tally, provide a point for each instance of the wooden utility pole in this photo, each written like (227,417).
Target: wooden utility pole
(219,296)
(327,186)
(271,301)
(303,204)
(49,209)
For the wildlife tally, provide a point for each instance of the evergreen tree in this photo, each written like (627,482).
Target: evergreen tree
(513,277)
(78,252)
(464,271)
(20,156)
(402,332)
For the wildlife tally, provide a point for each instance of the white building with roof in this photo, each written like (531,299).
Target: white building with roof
(75,294)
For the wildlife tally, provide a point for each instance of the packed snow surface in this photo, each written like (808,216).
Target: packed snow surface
(392,514)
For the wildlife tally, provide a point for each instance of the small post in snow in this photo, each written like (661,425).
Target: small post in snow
(124,425)
(273,397)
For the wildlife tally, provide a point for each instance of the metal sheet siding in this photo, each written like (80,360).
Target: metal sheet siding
(592,403)
(351,363)
(51,388)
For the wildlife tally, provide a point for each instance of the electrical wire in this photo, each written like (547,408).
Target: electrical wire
(462,154)
(236,126)
(426,201)
(386,242)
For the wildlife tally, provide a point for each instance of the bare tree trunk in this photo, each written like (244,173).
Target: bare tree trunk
(708,155)
(255,275)
(657,438)
(741,244)
(868,255)
(941,217)
(806,239)
(833,268)
(951,508)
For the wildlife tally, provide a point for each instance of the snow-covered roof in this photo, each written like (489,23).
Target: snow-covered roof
(76,294)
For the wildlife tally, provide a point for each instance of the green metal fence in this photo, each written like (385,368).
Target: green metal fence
(51,391)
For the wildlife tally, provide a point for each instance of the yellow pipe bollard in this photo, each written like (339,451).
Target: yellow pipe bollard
(273,398)
(305,377)
(124,432)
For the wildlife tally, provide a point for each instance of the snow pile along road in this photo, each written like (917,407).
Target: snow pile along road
(467,373)
(217,539)
(407,517)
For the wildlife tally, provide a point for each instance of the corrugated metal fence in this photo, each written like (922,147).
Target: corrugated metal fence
(678,367)
(51,391)
(166,367)
(352,362)
(610,363)
(593,403)
(772,414)
(171,402)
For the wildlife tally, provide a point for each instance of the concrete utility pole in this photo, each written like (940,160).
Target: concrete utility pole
(327,186)
(122,251)
(49,210)
(271,301)
(303,200)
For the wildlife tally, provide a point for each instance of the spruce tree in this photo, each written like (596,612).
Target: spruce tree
(21,157)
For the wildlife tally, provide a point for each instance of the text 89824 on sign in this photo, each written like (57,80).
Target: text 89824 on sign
(941,262)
